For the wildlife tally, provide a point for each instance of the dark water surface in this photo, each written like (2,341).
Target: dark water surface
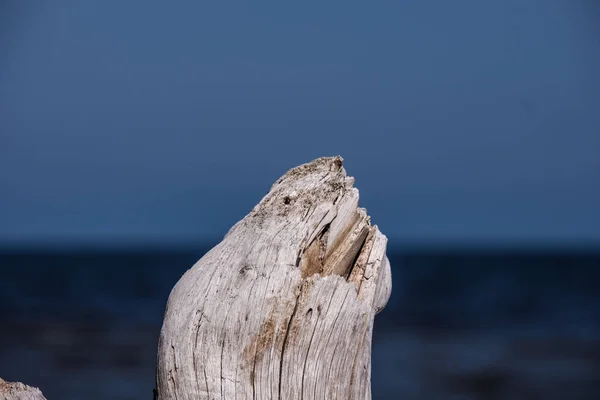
(459,325)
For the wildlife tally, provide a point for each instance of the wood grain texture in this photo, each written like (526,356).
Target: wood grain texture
(283,307)
(19,391)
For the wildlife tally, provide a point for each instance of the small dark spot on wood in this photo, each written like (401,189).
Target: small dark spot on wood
(287,200)
(319,309)
(309,313)
(245,268)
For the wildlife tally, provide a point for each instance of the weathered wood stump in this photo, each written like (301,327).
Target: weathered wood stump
(283,307)
(19,391)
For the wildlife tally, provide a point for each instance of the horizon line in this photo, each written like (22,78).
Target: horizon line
(394,246)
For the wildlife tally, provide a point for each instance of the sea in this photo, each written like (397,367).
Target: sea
(494,324)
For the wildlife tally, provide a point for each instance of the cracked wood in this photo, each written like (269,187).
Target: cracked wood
(283,307)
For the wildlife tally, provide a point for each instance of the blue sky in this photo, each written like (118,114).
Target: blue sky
(147,121)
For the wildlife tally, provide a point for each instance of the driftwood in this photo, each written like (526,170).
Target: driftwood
(283,307)
(19,391)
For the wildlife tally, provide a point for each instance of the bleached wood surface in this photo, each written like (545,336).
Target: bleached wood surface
(19,391)
(283,307)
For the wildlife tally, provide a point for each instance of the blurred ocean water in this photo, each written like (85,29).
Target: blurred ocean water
(502,325)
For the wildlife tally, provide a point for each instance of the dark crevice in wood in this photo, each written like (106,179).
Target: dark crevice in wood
(309,313)
(285,338)
(313,257)
(356,257)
